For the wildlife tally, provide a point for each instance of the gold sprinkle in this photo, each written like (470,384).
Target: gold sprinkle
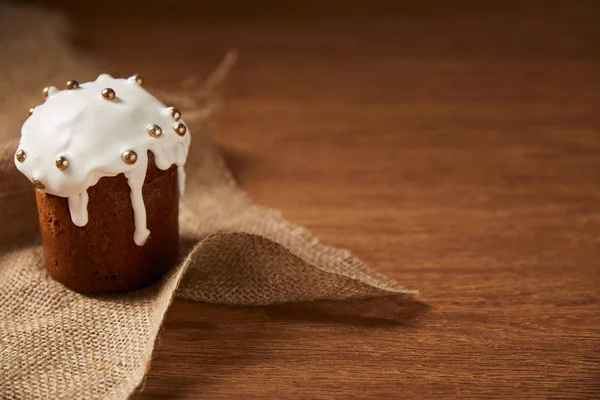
(45,92)
(138,78)
(109,94)
(61,163)
(129,157)
(31,110)
(72,84)
(21,156)
(180,128)
(175,113)
(154,131)
(38,185)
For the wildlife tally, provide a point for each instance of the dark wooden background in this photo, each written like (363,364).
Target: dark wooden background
(454,146)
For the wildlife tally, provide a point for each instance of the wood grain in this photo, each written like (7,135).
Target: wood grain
(452,145)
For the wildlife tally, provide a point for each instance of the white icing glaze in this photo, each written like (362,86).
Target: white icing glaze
(92,133)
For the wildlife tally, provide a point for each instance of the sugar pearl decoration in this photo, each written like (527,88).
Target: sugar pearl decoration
(175,113)
(31,110)
(154,131)
(21,156)
(61,163)
(38,185)
(180,128)
(129,157)
(138,78)
(72,84)
(45,92)
(109,94)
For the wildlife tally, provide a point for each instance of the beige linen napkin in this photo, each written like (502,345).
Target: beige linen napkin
(55,343)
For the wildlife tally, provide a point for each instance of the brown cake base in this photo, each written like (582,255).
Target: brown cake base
(102,256)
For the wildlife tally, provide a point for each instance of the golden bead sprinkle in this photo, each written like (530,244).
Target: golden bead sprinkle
(31,110)
(138,78)
(109,94)
(45,92)
(180,129)
(129,157)
(38,185)
(61,163)
(72,84)
(21,156)
(175,113)
(154,131)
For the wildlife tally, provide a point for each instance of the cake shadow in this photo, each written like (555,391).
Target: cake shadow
(187,244)
(236,161)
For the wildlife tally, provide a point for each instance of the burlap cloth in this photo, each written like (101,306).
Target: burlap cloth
(55,343)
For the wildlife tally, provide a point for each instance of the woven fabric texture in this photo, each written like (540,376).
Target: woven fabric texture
(58,344)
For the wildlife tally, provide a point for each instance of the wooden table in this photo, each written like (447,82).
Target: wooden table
(455,148)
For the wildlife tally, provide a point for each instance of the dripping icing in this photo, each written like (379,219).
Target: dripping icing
(78,208)
(135,179)
(87,129)
(181,180)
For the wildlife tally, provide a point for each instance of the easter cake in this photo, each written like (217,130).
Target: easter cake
(106,159)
